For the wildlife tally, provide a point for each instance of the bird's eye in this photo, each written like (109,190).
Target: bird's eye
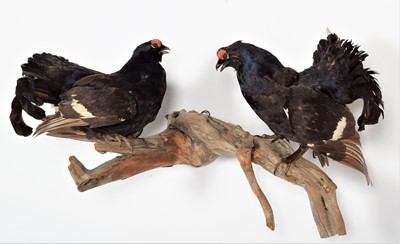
(226,56)
(153,45)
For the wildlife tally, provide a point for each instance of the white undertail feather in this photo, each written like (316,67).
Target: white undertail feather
(56,108)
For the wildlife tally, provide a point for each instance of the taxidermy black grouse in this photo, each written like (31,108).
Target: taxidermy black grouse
(310,107)
(92,104)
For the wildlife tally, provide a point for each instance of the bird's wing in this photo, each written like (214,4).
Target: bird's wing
(272,112)
(315,117)
(94,101)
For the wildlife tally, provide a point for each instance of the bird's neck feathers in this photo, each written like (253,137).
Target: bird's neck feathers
(255,58)
(138,60)
(262,71)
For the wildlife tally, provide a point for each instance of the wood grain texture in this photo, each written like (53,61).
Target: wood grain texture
(197,139)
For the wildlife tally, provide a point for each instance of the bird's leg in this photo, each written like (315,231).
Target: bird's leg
(292,158)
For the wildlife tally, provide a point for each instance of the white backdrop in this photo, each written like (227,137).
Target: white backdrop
(39,201)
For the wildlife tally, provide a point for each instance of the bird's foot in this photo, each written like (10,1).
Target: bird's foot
(292,158)
(273,137)
(287,162)
(117,138)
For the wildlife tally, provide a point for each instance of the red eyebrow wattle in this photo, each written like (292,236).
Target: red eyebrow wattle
(221,54)
(156,42)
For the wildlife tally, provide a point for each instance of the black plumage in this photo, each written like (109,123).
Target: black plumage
(45,77)
(338,71)
(117,104)
(310,107)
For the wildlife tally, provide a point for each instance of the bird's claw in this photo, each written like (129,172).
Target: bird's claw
(119,139)
(273,137)
(286,162)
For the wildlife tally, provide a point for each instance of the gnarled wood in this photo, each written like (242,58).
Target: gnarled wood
(197,139)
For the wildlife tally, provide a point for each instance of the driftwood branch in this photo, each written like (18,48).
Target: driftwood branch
(197,139)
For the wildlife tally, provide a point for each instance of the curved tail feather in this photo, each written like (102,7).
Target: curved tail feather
(371,94)
(18,123)
(346,151)
(45,77)
(351,80)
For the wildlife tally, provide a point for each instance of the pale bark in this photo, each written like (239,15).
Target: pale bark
(197,139)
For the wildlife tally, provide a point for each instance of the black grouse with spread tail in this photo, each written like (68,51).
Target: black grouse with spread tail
(310,107)
(96,105)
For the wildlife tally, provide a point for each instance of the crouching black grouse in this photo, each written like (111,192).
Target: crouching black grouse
(310,107)
(94,105)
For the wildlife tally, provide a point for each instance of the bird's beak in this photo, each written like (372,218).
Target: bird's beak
(165,50)
(221,64)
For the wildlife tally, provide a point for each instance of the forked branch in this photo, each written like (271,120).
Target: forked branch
(197,139)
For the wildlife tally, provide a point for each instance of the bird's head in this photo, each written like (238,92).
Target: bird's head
(240,55)
(229,56)
(153,49)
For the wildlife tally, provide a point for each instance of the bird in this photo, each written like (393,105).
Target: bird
(310,107)
(92,105)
